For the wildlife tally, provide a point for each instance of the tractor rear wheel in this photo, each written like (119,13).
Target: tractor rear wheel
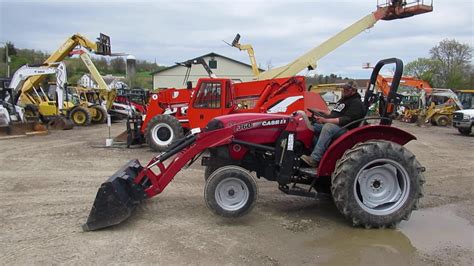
(230,191)
(442,120)
(377,184)
(100,115)
(80,116)
(161,131)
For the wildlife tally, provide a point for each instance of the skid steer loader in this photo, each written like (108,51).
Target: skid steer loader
(374,180)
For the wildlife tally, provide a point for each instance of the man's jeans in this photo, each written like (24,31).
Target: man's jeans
(327,132)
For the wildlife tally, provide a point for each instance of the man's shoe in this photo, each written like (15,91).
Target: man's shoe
(309,161)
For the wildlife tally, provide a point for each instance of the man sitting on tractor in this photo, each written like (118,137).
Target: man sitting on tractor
(331,125)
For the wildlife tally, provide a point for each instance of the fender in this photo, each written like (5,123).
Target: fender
(359,135)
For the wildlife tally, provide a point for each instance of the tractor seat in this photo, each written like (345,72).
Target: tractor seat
(306,119)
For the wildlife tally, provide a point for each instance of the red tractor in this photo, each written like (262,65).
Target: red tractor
(373,179)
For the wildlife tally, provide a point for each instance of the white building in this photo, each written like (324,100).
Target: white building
(113,82)
(221,66)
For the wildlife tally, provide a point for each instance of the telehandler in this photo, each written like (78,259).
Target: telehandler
(373,179)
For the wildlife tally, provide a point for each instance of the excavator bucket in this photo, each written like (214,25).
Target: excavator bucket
(61,123)
(116,199)
(22,129)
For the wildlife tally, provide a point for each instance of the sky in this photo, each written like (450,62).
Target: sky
(279,30)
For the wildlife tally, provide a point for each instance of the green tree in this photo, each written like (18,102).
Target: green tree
(453,63)
(425,69)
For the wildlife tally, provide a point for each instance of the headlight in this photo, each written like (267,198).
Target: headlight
(466,117)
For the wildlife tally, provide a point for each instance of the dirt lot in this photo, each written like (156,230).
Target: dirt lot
(48,184)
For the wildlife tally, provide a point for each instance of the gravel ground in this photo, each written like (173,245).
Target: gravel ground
(48,184)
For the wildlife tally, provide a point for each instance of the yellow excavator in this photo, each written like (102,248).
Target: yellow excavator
(39,106)
(28,93)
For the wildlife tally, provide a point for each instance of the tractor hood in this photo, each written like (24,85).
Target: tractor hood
(247,118)
(245,122)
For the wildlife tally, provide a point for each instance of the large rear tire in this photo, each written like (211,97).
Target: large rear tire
(377,184)
(100,115)
(80,116)
(161,131)
(230,191)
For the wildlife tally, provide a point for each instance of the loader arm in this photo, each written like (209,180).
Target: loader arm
(308,60)
(123,191)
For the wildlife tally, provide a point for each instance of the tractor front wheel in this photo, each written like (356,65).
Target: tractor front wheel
(80,116)
(230,191)
(377,184)
(161,131)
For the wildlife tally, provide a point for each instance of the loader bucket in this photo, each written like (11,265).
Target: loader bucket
(116,199)
(61,123)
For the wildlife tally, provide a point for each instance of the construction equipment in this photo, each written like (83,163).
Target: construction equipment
(91,101)
(414,92)
(271,92)
(438,110)
(249,49)
(106,94)
(373,179)
(12,119)
(28,92)
(36,103)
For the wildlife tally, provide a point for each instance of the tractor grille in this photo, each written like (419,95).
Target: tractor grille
(457,116)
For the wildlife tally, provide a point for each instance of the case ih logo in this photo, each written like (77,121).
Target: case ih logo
(274,122)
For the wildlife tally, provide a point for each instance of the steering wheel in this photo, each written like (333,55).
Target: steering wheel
(316,113)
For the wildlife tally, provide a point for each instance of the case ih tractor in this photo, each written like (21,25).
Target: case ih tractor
(374,180)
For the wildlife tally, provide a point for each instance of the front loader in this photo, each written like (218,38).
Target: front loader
(374,180)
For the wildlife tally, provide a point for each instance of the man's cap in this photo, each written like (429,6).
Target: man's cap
(350,85)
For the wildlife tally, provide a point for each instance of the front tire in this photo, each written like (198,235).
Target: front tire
(377,184)
(230,191)
(442,120)
(100,115)
(161,131)
(80,116)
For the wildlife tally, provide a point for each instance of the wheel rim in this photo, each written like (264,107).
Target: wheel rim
(232,194)
(162,134)
(79,118)
(382,187)
(98,116)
